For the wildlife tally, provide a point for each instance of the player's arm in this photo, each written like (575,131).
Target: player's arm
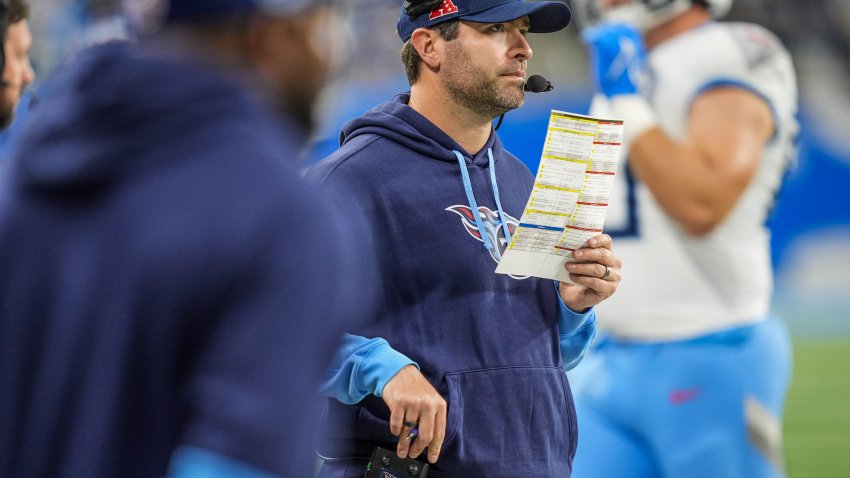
(698,180)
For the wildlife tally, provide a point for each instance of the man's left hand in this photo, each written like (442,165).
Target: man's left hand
(597,274)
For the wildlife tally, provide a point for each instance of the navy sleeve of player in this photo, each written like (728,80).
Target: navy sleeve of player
(253,391)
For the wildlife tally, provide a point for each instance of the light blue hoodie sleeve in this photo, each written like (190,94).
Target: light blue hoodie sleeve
(362,367)
(576,332)
(192,462)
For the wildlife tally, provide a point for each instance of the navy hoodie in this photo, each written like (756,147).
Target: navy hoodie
(488,342)
(165,277)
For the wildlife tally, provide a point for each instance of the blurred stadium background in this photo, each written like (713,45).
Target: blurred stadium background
(812,219)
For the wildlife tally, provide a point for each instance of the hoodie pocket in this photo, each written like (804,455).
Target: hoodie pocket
(508,422)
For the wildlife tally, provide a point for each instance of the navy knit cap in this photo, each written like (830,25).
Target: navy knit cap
(194,10)
(546,17)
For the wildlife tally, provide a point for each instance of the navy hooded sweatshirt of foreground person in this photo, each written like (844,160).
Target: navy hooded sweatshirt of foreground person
(164,277)
(491,344)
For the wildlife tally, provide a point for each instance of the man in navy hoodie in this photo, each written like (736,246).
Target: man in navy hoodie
(467,362)
(164,291)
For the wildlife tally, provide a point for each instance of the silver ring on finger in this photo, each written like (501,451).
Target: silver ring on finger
(410,424)
(606,274)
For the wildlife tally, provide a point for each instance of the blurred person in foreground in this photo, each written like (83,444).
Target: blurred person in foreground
(689,375)
(164,301)
(17,72)
(470,361)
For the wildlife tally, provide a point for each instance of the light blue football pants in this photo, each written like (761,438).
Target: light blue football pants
(706,407)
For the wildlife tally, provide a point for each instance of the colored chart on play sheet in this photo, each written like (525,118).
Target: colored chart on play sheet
(570,196)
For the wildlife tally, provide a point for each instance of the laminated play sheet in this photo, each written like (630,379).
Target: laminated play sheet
(570,197)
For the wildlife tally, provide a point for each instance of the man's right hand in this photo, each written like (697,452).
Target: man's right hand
(411,398)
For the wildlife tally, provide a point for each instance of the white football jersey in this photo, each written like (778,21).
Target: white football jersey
(676,286)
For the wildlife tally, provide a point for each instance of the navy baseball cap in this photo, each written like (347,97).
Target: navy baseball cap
(546,17)
(194,10)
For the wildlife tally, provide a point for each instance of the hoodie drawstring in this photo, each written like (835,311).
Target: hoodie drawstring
(467,186)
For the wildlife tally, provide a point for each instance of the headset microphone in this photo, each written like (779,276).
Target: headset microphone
(534,84)
(537,84)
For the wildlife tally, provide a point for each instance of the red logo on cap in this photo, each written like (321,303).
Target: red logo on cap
(446,8)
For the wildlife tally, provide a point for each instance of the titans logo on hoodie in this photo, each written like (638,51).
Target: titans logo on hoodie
(492,227)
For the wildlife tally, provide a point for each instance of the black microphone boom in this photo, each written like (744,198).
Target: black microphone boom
(537,84)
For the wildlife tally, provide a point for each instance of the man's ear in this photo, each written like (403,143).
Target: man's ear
(428,45)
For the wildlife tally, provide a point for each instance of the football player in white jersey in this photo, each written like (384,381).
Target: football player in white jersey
(689,376)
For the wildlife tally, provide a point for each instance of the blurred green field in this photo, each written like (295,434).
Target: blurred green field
(817,413)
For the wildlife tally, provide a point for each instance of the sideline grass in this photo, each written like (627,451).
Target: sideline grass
(817,413)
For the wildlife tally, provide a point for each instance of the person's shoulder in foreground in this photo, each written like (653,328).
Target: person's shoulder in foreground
(153,219)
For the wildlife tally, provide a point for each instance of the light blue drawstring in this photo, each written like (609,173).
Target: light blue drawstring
(467,186)
(496,195)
